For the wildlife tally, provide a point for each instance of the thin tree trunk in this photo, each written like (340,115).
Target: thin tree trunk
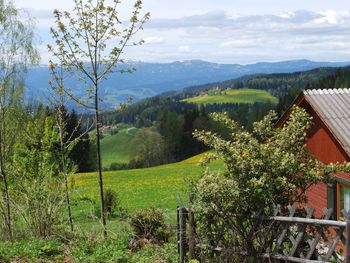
(64,170)
(99,166)
(5,192)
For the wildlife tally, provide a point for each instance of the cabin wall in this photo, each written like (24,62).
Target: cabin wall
(322,144)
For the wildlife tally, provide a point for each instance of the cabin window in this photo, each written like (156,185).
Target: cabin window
(343,198)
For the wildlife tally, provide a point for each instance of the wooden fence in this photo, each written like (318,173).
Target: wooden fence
(322,240)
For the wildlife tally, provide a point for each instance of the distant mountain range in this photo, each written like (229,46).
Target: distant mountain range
(151,79)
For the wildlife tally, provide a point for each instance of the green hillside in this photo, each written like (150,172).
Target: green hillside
(234,96)
(140,188)
(116,148)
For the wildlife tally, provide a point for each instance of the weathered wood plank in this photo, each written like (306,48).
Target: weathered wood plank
(309,221)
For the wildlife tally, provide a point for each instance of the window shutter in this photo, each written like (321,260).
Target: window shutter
(331,198)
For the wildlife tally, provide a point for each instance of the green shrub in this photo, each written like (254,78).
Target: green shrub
(113,206)
(112,201)
(31,249)
(263,167)
(117,166)
(149,224)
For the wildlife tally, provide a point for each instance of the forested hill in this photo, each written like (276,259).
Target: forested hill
(278,84)
(283,86)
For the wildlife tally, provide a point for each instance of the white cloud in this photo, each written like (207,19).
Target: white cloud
(153,40)
(241,43)
(224,36)
(184,49)
(333,17)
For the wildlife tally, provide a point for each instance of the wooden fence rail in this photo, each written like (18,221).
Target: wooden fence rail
(310,239)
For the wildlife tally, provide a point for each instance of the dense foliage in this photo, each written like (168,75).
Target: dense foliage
(264,167)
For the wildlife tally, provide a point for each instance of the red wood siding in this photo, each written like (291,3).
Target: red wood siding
(317,198)
(321,143)
(324,146)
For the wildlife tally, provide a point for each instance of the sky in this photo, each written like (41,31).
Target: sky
(225,31)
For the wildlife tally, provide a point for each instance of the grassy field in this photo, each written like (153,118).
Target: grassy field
(116,148)
(139,188)
(235,96)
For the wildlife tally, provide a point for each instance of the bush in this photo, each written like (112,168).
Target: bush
(30,250)
(112,202)
(41,204)
(264,167)
(113,206)
(118,166)
(149,226)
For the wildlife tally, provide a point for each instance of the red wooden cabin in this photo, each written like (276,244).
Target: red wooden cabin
(329,141)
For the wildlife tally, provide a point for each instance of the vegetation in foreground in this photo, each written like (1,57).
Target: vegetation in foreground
(249,96)
(135,192)
(266,167)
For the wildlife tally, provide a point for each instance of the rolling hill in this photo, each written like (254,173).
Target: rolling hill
(234,96)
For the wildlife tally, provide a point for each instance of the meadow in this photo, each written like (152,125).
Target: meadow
(138,188)
(235,96)
(116,148)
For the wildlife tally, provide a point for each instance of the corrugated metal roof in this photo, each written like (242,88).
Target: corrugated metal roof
(333,107)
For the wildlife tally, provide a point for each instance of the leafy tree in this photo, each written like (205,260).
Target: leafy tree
(149,148)
(58,99)
(90,43)
(264,167)
(38,190)
(69,128)
(16,52)
(170,127)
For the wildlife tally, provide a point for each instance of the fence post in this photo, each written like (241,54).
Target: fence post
(347,246)
(191,231)
(178,229)
(182,234)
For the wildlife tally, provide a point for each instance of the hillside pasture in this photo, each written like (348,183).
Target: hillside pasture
(140,188)
(116,148)
(235,96)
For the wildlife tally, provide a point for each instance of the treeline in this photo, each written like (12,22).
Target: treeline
(277,84)
(339,80)
(150,111)
(146,112)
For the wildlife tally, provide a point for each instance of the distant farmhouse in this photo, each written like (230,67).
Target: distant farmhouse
(328,140)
